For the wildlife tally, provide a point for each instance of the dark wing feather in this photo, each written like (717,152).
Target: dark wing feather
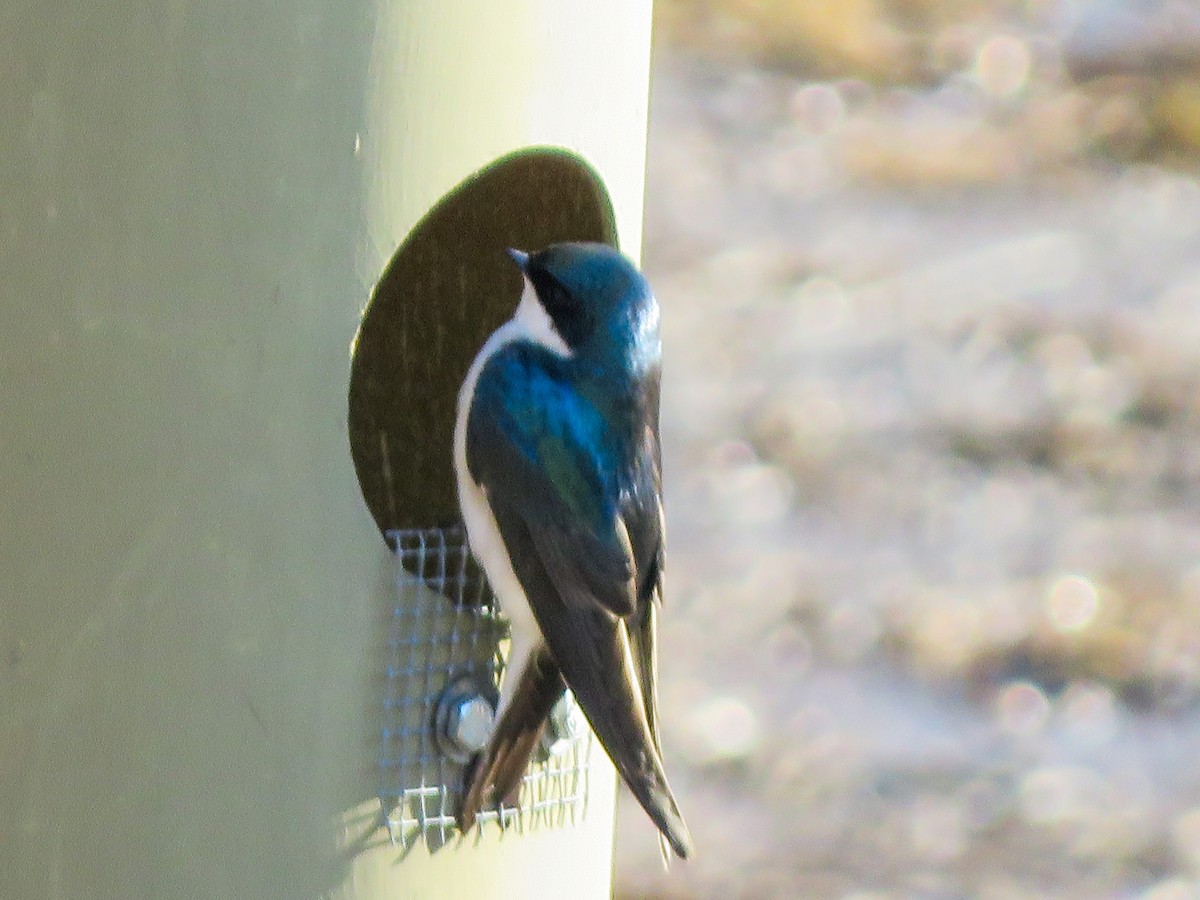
(594,651)
(649,537)
(643,643)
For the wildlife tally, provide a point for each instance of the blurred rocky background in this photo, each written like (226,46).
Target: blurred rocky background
(931,280)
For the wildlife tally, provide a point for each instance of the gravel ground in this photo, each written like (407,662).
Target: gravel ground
(931,428)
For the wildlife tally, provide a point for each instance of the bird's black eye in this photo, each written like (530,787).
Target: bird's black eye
(572,318)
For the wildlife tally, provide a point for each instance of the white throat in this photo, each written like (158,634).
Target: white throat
(533,322)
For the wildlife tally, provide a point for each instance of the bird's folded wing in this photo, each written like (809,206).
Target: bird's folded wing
(537,450)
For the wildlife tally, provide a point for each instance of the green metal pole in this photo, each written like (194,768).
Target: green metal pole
(196,202)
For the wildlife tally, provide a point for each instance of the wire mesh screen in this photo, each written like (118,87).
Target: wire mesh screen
(444,627)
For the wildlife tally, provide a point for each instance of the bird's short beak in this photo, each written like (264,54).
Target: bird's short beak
(520,257)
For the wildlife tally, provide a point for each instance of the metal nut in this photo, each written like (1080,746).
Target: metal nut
(470,723)
(464,719)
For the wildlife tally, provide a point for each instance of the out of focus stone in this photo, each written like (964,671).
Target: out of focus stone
(1134,37)
(1176,111)
(1147,51)
(833,37)
(928,148)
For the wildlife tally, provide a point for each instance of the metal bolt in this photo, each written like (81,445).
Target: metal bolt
(464,719)
(470,723)
(566,725)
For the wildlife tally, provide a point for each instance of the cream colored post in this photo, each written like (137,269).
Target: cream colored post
(194,202)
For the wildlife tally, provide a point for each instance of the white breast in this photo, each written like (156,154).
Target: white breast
(530,322)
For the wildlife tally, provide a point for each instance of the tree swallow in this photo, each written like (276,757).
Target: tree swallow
(556,454)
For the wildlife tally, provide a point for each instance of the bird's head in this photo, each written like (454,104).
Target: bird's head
(597,302)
